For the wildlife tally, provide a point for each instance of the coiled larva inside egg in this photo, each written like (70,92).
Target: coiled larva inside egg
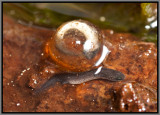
(76,46)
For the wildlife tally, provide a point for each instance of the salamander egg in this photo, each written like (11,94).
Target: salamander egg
(76,46)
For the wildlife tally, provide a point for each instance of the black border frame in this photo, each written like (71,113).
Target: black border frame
(82,2)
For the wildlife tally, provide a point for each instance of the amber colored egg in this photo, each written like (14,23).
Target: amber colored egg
(76,46)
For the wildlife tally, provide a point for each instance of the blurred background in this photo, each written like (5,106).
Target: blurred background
(139,19)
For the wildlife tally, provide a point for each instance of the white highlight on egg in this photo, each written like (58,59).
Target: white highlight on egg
(105,51)
(78,42)
(98,70)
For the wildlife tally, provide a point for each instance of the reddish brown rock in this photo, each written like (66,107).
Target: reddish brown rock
(137,97)
(25,68)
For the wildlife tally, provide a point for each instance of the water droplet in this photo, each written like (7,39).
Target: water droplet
(18,104)
(102,19)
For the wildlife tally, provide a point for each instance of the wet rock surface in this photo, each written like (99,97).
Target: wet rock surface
(25,69)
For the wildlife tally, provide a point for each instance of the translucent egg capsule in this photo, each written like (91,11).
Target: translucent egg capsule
(76,46)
